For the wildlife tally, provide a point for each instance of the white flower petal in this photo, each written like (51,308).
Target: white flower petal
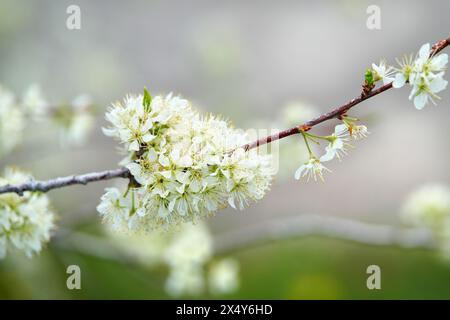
(420,101)
(438,84)
(399,81)
(424,51)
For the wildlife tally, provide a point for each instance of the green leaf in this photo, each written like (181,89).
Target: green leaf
(147,99)
(369,77)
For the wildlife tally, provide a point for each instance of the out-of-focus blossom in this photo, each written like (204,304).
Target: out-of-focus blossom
(12,122)
(428,206)
(223,276)
(34,102)
(25,221)
(187,251)
(75,121)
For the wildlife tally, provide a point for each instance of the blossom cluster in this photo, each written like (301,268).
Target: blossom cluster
(25,221)
(424,74)
(185,165)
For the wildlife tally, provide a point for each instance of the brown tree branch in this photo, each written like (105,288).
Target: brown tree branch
(335,113)
(44,186)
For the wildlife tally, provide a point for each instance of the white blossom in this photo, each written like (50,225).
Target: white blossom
(25,221)
(358,132)
(188,165)
(311,169)
(404,72)
(350,129)
(114,208)
(426,88)
(425,74)
(424,64)
(383,72)
(338,145)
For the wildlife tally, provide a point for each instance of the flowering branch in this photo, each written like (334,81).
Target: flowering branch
(339,112)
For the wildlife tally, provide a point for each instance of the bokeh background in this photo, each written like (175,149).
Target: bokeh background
(246,60)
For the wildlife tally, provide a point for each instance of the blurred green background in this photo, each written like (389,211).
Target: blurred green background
(245,60)
(308,268)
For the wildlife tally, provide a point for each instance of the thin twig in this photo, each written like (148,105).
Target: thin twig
(44,186)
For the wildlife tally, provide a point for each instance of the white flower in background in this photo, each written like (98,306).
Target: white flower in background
(428,206)
(223,276)
(12,122)
(311,169)
(296,113)
(25,221)
(187,165)
(187,252)
(192,245)
(147,249)
(383,72)
(185,281)
(34,102)
(78,130)
(338,145)
(75,121)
